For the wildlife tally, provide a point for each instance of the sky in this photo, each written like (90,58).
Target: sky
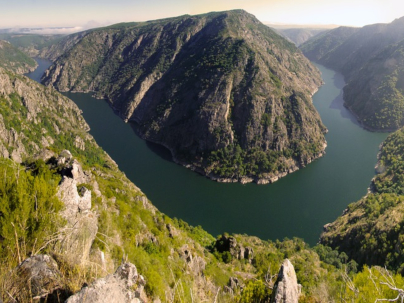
(84,14)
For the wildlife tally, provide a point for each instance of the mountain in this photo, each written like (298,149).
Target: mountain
(227,95)
(370,58)
(15,60)
(300,35)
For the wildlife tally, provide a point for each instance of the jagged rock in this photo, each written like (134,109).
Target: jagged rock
(125,285)
(234,283)
(172,231)
(146,204)
(229,243)
(195,263)
(286,289)
(79,143)
(69,195)
(82,223)
(40,273)
(64,156)
(248,253)
(44,154)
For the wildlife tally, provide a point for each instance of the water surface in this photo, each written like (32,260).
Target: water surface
(295,206)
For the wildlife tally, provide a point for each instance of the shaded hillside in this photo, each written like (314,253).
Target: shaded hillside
(13,59)
(300,35)
(370,58)
(227,95)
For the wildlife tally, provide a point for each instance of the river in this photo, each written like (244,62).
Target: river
(297,205)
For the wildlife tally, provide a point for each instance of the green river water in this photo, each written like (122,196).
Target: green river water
(295,206)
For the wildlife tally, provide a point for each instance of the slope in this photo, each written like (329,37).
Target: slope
(228,96)
(370,58)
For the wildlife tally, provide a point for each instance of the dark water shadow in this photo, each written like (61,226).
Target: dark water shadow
(338,102)
(160,150)
(339,81)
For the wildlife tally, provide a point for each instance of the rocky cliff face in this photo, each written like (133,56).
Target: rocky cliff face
(13,59)
(32,117)
(286,289)
(125,285)
(371,60)
(227,95)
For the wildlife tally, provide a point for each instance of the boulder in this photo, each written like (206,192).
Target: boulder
(286,289)
(124,286)
(40,274)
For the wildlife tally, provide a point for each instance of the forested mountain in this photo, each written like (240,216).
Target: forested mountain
(371,60)
(227,95)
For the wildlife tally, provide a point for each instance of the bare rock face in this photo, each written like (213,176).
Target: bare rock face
(40,273)
(224,93)
(125,285)
(286,289)
(82,223)
(238,251)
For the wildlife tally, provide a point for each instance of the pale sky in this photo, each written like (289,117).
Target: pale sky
(92,13)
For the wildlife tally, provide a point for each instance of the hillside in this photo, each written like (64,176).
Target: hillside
(228,96)
(13,59)
(370,58)
(31,44)
(300,35)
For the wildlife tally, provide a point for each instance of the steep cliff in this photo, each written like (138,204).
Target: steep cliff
(227,95)
(13,59)
(371,60)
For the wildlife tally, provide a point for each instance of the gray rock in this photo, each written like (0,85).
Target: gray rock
(40,273)
(79,233)
(286,289)
(125,285)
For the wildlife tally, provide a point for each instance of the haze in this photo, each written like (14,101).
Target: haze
(83,14)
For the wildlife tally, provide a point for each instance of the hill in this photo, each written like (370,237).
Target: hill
(228,96)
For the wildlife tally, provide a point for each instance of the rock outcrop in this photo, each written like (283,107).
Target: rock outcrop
(224,93)
(33,118)
(124,286)
(82,223)
(237,251)
(40,274)
(286,289)
(15,60)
